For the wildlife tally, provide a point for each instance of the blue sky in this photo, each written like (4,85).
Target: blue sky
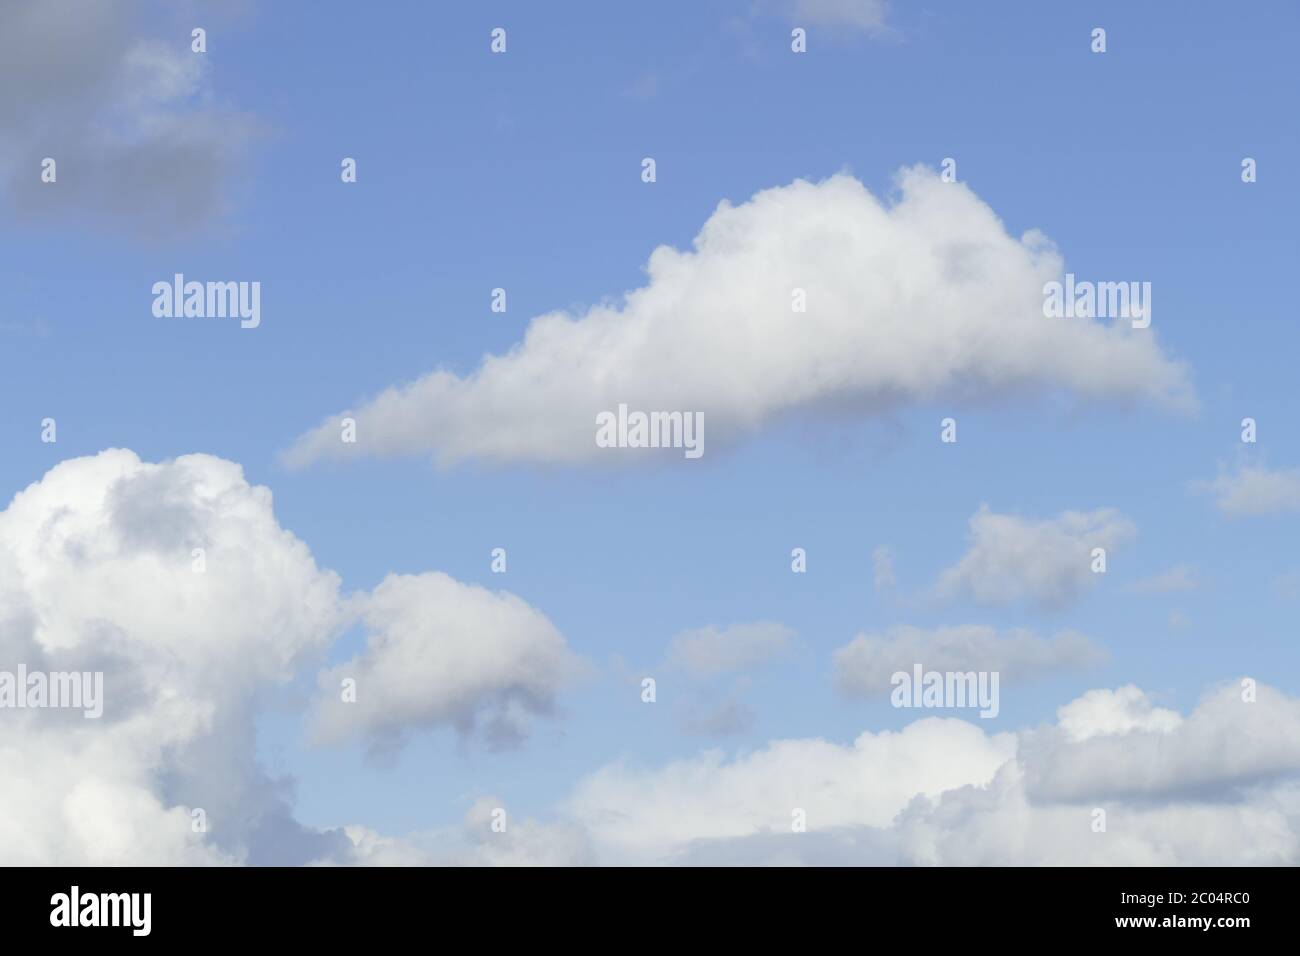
(522,171)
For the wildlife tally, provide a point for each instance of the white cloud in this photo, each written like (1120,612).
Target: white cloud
(1105,713)
(443,652)
(372,848)
(1003,825)
(707,651)
(1048,562)
(864,665)
(998,825)
(647,814)
(97,573)
(1224,745)
(522,842)
(1220,784)
(1255,491)
(907,302)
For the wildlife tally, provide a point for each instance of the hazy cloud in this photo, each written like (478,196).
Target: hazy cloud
(1047,562)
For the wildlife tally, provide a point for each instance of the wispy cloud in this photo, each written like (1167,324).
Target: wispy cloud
(1048,562)
(1254,491)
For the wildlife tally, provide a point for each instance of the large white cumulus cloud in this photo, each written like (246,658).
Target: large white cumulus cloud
(98,572)
(927,297)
